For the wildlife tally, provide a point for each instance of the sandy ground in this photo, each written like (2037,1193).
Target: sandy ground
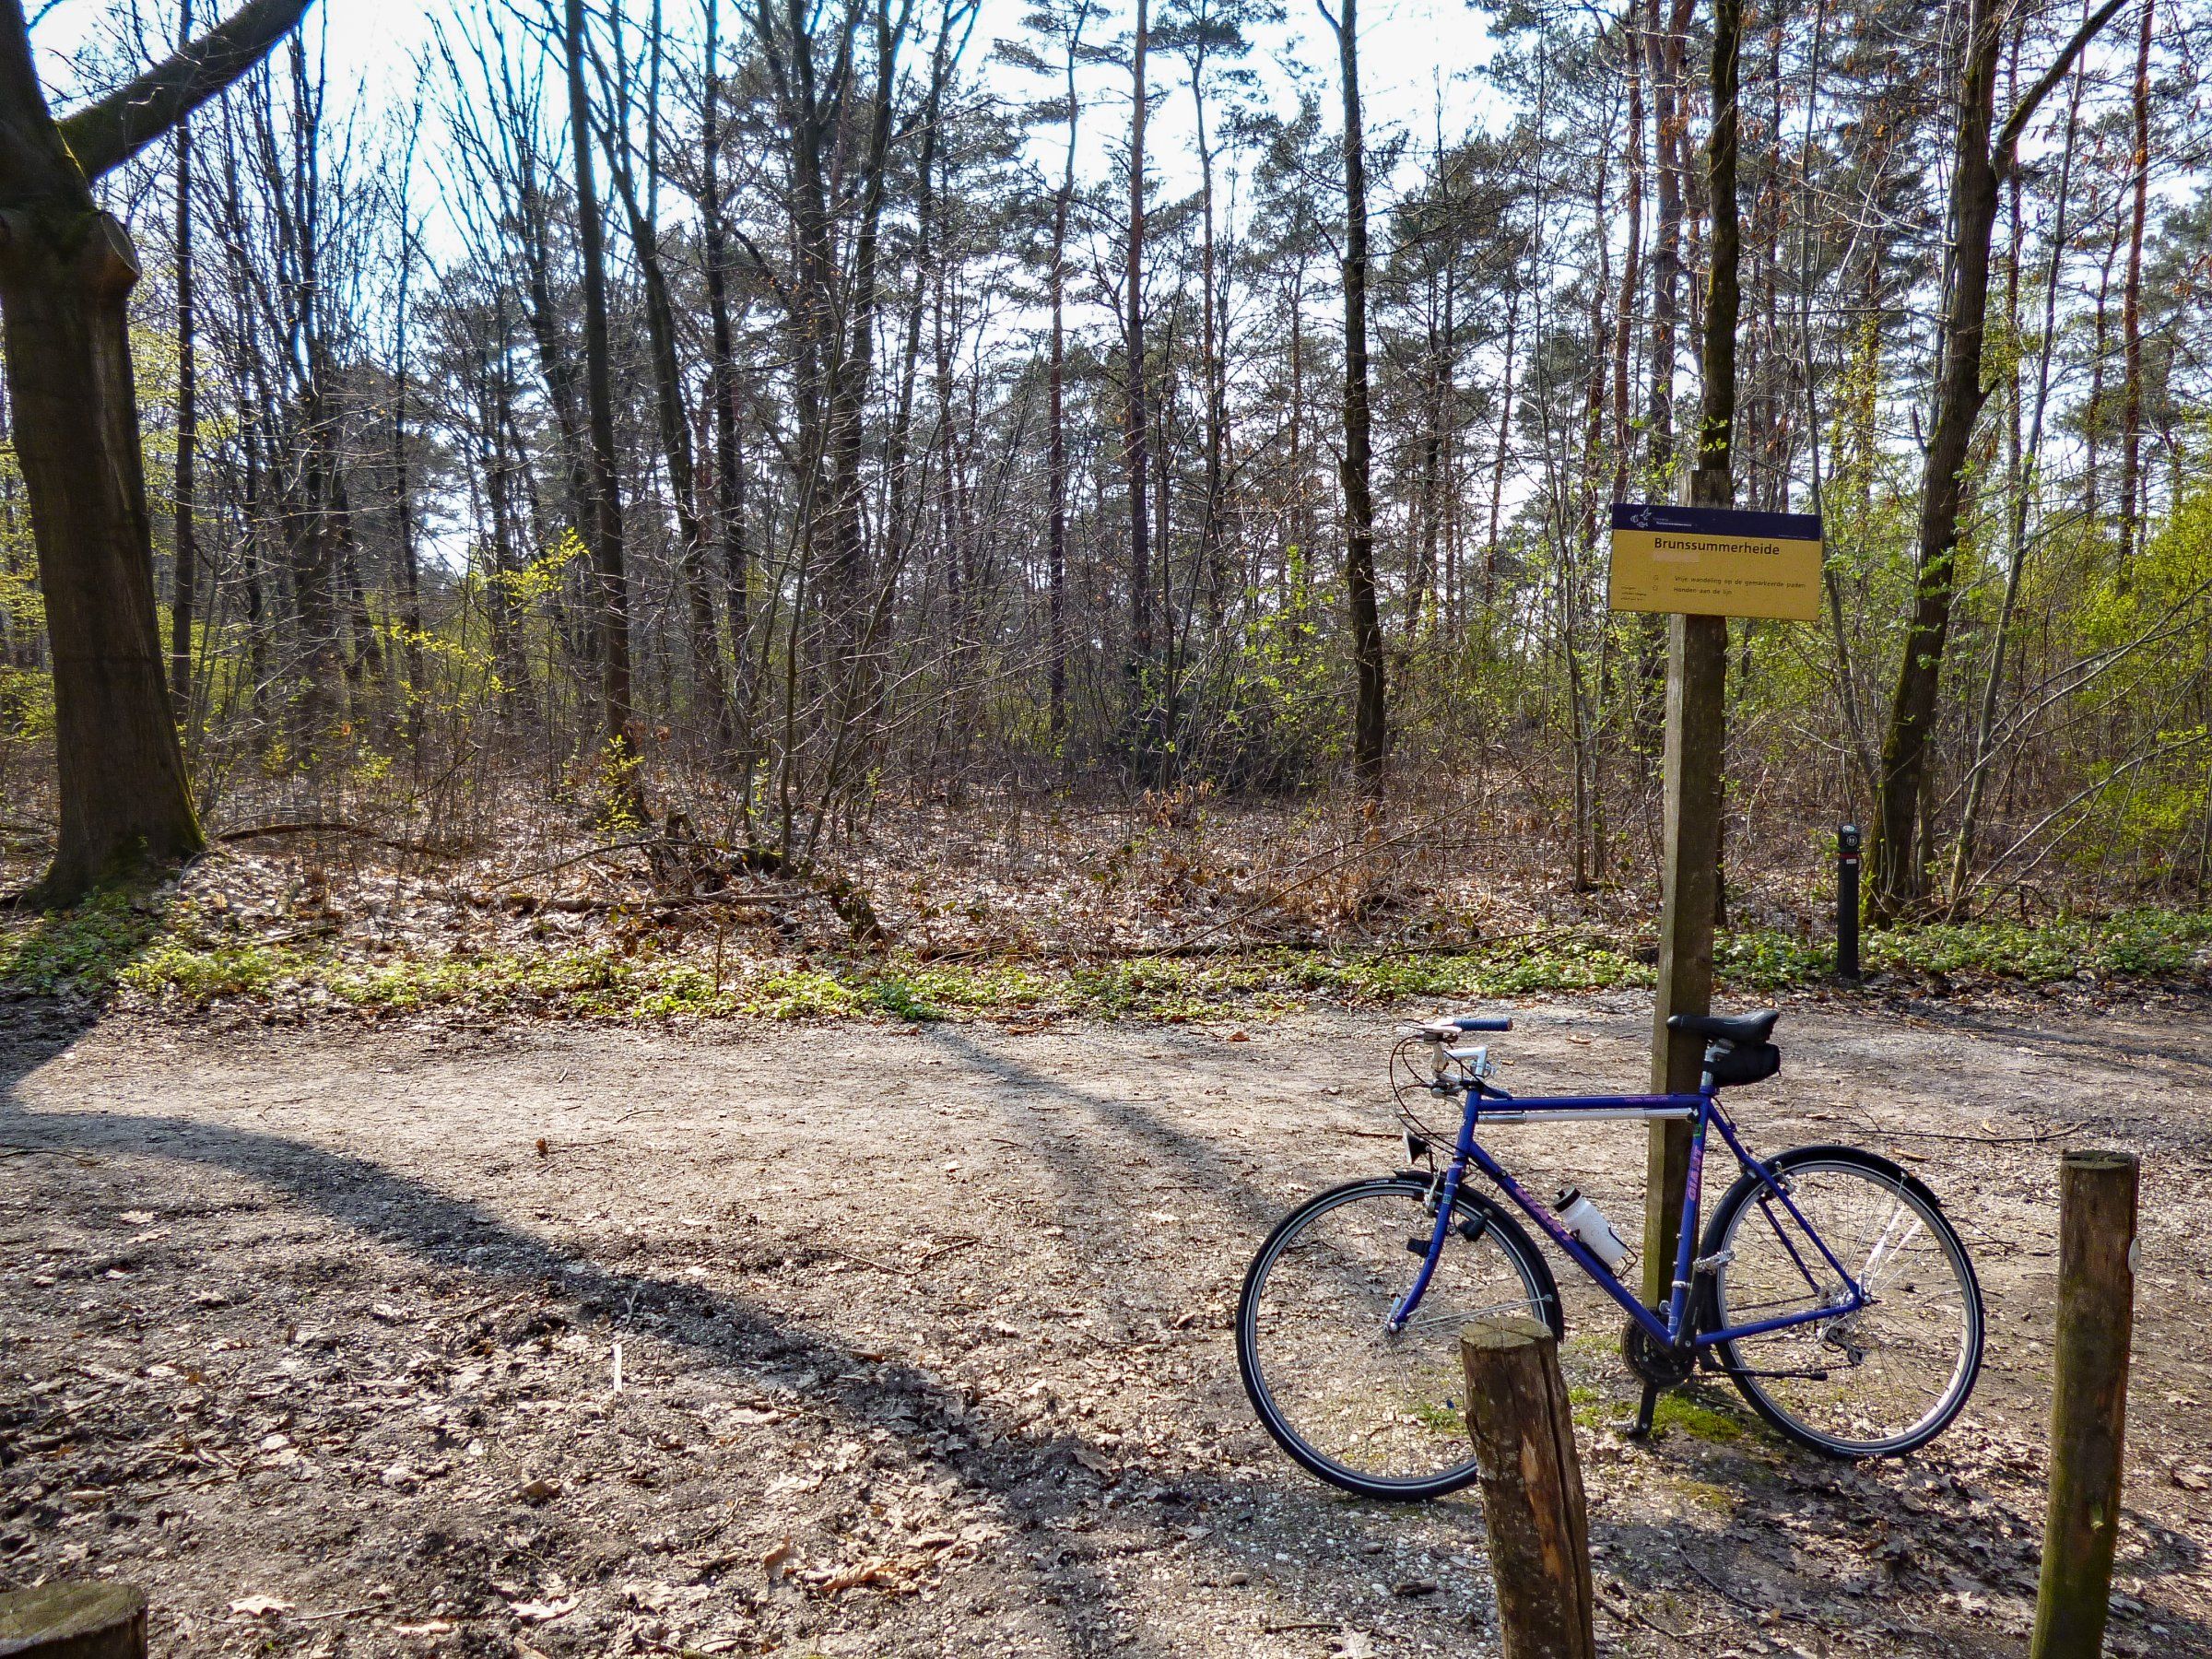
(923,1343)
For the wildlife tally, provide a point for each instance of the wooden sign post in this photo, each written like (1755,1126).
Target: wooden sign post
(1700,563)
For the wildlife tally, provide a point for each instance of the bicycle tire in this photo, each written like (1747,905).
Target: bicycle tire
(1743,1364)
(1539,1294)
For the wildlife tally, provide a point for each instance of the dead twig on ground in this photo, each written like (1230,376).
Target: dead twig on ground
(337,827)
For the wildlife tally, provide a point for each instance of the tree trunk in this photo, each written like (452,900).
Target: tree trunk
(1140,522)
(674,423)
(729,464)
(1663,53)
(1899,863)
(2025,482)
(2092,418)
(1369,716)
(1505,432)
(1899,854)
(403,498)
(1215,388)
(1056,435)
(1631,269)
(2130,314)
(66,271)
(1716,417)
(185,549)
(604,509)
(64,284)
(854,366)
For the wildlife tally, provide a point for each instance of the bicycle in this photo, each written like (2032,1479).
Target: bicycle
(1350,1353)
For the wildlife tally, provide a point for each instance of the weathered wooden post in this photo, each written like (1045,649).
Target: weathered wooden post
(84,1620)
(1697,674)
(1531,1490)
(2088,1400)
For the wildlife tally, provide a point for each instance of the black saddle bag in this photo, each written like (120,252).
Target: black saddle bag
(1747,1063)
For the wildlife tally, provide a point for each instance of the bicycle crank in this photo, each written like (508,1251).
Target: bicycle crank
(1656,1366)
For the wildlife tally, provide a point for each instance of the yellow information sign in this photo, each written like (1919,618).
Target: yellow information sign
(1715,561)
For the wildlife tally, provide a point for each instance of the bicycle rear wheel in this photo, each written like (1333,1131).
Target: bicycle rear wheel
(1374,1411)
(1873,1382)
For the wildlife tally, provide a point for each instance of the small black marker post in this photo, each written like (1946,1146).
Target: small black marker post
(1847,901)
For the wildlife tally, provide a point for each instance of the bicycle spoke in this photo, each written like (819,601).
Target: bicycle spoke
(1380,1405)
(1897,1361)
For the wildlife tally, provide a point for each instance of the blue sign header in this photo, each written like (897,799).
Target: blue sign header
(1716,521)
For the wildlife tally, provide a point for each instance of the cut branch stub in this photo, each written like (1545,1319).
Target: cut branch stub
(86,1620)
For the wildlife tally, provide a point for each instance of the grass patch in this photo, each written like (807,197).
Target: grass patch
(1593,1408)
(1444,1419)
(1706,1495)
(1700,1422)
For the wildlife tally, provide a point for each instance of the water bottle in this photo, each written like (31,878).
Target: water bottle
(1588,1223)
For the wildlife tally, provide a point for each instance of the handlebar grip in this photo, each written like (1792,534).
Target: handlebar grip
(1472,1023)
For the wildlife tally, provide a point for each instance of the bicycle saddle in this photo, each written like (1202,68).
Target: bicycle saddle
(1732,1028)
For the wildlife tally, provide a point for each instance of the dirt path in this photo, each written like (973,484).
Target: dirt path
(924,1349)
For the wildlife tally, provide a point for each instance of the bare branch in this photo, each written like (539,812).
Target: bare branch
(2008,139)
(105,135)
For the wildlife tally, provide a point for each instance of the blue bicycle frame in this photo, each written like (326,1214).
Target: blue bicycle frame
(1703,1110)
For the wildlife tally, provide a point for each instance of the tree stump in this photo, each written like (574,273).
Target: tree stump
(2088,1401)
(94,1620)
(1518,1418)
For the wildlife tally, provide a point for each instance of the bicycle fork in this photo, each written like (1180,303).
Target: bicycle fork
(1444,1195)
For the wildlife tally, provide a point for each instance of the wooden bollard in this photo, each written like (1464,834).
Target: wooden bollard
(1518,1416)
(2088,1401)
(84,1621)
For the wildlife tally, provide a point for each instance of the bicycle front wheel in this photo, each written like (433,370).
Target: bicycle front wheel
(1873,1382)
(1376,1411)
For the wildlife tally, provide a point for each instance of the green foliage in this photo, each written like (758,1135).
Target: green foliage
(26,694)
(83,950)
(1282,721)
(113,942)
(2150,798)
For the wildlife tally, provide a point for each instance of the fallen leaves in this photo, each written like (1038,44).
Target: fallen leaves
(545,1612)
(902,1574)
(651,1597)
(776,1563)
(259,1607)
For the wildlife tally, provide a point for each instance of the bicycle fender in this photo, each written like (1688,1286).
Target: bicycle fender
(1894,1170)
(1782,1163)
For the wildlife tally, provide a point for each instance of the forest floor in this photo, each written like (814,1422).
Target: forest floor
(1034,912)
(888,1337)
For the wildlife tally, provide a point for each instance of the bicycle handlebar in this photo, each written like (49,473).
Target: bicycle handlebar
(1444,1028)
